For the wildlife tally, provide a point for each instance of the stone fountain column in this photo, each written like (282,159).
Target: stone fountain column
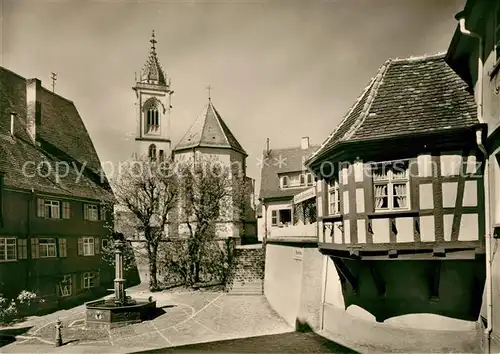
(119,280)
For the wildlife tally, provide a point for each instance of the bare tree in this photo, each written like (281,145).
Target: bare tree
(148,191)
(211,194)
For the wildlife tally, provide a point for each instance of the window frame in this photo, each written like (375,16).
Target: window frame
(48,208)
(6,246)
(47,247)
(86,244)
(274,217)
(334,202)
(390,181)
(90,210)
(68,285)
(90,278)
(284,182)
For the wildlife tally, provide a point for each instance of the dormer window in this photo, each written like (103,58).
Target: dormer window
(309,179)
(284,182)
(152,152)
(302,178)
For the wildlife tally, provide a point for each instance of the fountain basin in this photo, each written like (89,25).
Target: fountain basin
(104,314)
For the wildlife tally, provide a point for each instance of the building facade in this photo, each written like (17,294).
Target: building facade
(400,200)
(209,139)
(55,200)
(287,197)
(474,54)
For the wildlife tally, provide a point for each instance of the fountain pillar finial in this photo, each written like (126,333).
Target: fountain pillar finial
(119,243)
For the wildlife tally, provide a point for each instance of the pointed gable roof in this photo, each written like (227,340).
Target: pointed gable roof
(209,130)
(64,141)
(407,96)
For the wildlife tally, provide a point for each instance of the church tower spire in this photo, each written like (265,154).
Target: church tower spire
(153,103)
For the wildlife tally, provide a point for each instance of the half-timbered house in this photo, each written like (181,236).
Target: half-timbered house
(400,197)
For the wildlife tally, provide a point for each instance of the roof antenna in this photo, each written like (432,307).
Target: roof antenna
(209,88)
(54,78)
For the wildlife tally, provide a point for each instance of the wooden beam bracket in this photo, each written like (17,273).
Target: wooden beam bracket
(345,273)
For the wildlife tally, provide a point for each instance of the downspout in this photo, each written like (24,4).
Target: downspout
(479,140)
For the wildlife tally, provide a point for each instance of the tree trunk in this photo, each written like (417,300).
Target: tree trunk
(152,253)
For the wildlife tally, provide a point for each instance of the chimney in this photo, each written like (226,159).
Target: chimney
(34,108)
(304,144)
(267,146)
(12,119)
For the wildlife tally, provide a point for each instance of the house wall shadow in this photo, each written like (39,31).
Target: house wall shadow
(389,289)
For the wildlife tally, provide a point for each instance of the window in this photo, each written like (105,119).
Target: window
(152,119)
(391,186)
(302,178)
(88,246)
(91,212)
(104,243)
(65,285)
(49,209)
(162,157)
(309,179)
(88,280)
(274,218)
(152,152)
(8,249)
(66,210)
(22,248)
(102,213)
(284,181)
(47,247)
(285,217)
(62,248)
(333,198)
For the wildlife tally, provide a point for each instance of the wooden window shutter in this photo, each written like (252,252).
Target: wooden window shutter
(97,280)
(74,287)
(35,252)
(97,248)
(85,212)
(80,246)
(41,208)
(62,247)
(66,210)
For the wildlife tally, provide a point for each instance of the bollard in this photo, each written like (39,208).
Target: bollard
(58,333)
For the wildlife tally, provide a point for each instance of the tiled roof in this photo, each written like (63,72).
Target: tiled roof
(407,96)
(63,137)
(280,161)
(152,71)
(209,130)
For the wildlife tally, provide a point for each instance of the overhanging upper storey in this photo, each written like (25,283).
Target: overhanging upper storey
(401,176)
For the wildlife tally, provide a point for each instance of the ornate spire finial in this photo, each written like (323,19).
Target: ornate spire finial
(153,42)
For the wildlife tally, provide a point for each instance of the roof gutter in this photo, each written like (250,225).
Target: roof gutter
(479,139)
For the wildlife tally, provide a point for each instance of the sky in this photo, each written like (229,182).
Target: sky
(279,69)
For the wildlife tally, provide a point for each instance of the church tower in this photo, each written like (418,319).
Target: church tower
(153,105)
